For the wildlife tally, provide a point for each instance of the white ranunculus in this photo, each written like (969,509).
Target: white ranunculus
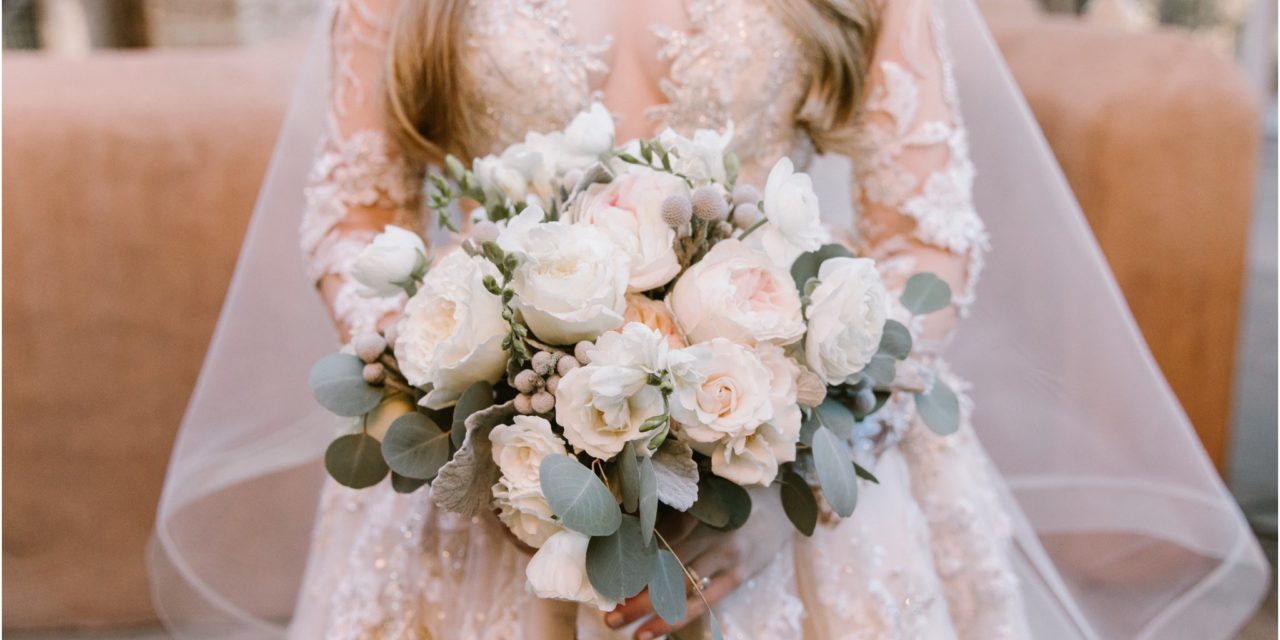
(388,263)
(847,312)
(518,450)
(571,282)
(701,157)
(587,137)
(602,407)
(726,398)
(737,292)
(794,221)
(629,211)
(450,335)
(559,571)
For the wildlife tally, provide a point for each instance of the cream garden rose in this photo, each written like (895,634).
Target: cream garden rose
(736,292)
(518,450)
(571,282)
(559,571)
(390,262)
(847,312)
(450,335)
(794,220)
(629,211)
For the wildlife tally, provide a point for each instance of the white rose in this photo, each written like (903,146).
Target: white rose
(754,459)
(629,211)
(518,450)
(847,312)
(559,571)
(794,220)
(602,407)
(738,293)
(727,395)
(587,137)
(450,335)
(390,262)
(571,283)
(701,157)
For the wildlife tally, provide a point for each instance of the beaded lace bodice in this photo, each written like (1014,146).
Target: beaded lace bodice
(926,558)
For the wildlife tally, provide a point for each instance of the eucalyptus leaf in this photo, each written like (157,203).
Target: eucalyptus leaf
(477,397)
(629,477)
(666,587)
(721,503)
(836,417)
(337,382)
(809,426)
(882,370)
(648,499)
(415,447)
(806,266)
(355,460)
(865,474)
(925,293)
(464,485)
(619,564)
(939,408)
(402,484)
(577,497)
(799,502)
(896,340)
(839,483)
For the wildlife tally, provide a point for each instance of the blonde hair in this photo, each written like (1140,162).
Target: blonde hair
(425,92)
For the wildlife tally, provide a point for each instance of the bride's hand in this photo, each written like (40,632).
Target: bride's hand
(721,560)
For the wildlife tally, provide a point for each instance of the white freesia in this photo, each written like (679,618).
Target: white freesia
(512,174)
(847,312)
(518,450)
(450,335)
(559,571)
(390,262)
(701,157)
(629,211)
(794,220)
(571,282)
(602,407)
(635,346)
(737,292)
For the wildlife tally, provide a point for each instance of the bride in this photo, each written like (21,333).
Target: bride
(1102,518)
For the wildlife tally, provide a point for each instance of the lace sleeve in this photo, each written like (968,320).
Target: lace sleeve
(912,174)
(359,183)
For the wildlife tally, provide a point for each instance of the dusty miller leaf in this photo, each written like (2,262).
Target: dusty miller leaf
(676,475)
(465,484)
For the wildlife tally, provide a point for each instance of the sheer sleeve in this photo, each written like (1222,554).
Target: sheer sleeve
(912,174)
(359,182)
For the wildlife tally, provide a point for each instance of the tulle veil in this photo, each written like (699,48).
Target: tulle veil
(1124,529)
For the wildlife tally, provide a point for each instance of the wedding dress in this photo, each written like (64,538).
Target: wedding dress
(940,548)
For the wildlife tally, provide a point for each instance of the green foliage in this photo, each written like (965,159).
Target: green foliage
(337,382)
(721,504)
(939,408)
(839,483)
(648,499)
(629,477)
(896,340)
(578,498)
(798,502)
(666,587)
(355,461)
(619,563)
(925,293)
(477,397)
(402,484)
(415,447)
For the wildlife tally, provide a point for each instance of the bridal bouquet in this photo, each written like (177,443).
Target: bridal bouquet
(622,333)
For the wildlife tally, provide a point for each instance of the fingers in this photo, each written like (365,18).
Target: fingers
(633,609)
(722,584)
